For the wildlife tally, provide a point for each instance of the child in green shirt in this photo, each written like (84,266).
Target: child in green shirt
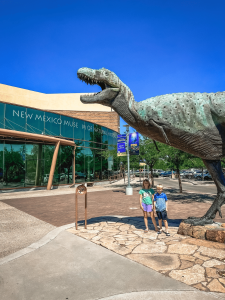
(146,197)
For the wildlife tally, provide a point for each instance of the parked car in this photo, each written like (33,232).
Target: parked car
(167,174)
(155,174)
(187,174)
(161,173)
(206,176)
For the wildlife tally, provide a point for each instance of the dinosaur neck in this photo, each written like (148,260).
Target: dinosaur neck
(124,106)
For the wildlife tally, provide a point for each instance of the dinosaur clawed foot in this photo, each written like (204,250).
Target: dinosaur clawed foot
(198,221)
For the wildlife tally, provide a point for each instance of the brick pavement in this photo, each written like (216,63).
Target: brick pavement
(59,210)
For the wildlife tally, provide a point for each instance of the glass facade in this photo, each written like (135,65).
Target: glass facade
(26,163)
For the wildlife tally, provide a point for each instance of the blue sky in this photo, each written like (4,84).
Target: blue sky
(155,47)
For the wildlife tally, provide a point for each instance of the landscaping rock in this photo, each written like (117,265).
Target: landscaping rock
(198,232)
(217,235)
(185,229)
(213,232)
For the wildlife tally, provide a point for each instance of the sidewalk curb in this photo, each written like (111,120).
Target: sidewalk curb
(161,295)
(43,241)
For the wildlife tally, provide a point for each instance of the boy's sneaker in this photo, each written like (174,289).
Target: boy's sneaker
(159,232)
(167,234)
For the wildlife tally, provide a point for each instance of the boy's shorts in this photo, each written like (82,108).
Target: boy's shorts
(147,207)
(162,215)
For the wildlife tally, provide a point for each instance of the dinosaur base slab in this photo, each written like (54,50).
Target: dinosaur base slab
(214,232)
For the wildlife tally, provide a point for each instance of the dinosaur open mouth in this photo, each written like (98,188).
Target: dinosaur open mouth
(92,81)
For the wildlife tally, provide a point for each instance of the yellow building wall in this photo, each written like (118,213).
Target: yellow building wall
(70,101)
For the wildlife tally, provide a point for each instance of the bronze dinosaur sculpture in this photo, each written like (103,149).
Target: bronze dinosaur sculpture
(192,122)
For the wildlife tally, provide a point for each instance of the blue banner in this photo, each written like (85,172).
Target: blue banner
(134,143)
(121,145)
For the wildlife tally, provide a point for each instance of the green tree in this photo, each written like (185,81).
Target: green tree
(177,160)
(149,154)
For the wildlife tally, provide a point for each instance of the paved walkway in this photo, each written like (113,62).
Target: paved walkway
(70,267)
(197,263)
(19,229)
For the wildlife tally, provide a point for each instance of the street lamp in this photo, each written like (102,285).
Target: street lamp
(129,189)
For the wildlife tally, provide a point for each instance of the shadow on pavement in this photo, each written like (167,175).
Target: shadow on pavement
(138,221)
(174,195)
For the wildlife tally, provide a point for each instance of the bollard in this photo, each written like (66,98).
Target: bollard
(82,190)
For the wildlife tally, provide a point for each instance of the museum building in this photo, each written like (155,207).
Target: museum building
(53,139)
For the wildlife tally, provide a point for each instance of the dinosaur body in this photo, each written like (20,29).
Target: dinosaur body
(192,122)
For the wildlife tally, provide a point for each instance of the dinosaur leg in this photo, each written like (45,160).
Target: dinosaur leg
(162,131)
(214,168)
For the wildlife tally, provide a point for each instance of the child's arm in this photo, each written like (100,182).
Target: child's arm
(153,203)
(166,204)
(141,202)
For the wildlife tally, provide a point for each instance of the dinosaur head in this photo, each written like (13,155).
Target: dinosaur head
(107,80)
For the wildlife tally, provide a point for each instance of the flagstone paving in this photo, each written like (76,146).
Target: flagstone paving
(197,263)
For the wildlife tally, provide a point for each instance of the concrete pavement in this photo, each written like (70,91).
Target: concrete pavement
(70,267)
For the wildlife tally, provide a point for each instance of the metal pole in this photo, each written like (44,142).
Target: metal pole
(128,159)
(144,171)
(129,189)
(81,189)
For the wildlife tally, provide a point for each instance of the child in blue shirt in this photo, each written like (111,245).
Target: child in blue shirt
(160,205)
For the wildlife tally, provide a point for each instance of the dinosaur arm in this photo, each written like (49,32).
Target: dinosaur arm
(161,129)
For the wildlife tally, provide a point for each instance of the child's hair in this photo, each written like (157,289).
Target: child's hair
(146,180)
(160,186)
